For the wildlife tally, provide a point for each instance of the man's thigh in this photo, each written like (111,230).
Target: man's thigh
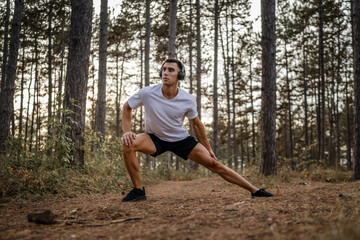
(144,144)
(201,156)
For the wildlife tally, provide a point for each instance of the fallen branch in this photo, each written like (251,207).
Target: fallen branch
(85,223)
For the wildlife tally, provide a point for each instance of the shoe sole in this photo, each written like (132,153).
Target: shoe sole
(141,198)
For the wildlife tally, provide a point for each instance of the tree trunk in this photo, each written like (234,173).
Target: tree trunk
(77,74)
(305,96)
(227,78)
(141,77)
(101,98)
(233,95)
(190,43)
(268,92)
(252,108)
(29,99)
(62,54)
(5,48)
(348,129)
(322,76)
(50,65)
(7,93)
(227,93)
(198,59)
(22,91)
(215,95)
(289,110)
(192,164)
(147,44)
(117,101)
(172,29)
(36,83)
(338,81)
(37,131)
(356,26)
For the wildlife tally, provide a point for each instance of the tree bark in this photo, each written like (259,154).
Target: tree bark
(305,96)
(5,48)
(322,83)
(50,13)
(190,43)
(117,101)
(227,93)
(268,90)
(29,99)
(356,27)
(289,110)
(77,75)
(36,84)
(62,55)
(252,108)
(227,78)
(215,95)
(348,129)
(233,96)
(22,91)
(147,44)
(198,59)
(101,98)
(172,29)
(7,93)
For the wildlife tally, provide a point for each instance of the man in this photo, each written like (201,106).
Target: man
(166,106)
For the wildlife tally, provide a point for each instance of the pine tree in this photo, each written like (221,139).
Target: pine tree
(7,93)
(77,75)
(268,94)
(101,98)
(356,28)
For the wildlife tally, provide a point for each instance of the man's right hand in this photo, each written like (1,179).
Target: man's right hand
(128,138)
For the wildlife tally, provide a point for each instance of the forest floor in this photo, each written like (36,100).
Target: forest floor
(207,208)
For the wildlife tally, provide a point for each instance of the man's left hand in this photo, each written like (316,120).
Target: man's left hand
(212,154)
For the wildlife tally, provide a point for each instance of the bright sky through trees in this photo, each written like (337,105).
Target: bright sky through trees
(255,11)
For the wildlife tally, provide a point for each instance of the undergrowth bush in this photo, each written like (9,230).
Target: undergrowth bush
(29,175)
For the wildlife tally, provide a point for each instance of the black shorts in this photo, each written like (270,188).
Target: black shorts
(181,148)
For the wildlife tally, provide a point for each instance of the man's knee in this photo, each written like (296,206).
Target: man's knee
(128,149)
(216,166)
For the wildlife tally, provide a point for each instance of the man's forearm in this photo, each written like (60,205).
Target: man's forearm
(200,134)
(126,118)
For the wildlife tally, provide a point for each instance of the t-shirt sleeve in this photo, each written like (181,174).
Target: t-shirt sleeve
(136,100)
(192,113)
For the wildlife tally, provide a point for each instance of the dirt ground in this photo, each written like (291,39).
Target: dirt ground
(200,209)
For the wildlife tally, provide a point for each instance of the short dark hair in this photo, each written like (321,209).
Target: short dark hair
(174,60)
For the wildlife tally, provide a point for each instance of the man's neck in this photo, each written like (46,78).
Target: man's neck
(169,92)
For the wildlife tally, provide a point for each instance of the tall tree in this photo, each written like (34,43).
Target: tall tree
(321,84)
(356,27)
(50,15)
(5,47)
(198,58)
(268,92)
(101,98)
(77,75)
(172,29)
(215,89)
(7,93)
(147,43)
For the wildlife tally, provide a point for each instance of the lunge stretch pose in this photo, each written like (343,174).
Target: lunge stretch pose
(166,106)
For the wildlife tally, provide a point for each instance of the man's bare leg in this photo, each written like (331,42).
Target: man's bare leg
(201,155)
(142,143)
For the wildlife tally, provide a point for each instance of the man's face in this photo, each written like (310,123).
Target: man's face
(170,73)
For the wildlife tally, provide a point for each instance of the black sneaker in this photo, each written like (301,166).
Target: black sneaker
(134,195)
(261,193)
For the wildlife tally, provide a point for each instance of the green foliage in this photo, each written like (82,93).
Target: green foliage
(25,175)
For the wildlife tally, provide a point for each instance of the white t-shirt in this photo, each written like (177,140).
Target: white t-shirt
(165,117)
